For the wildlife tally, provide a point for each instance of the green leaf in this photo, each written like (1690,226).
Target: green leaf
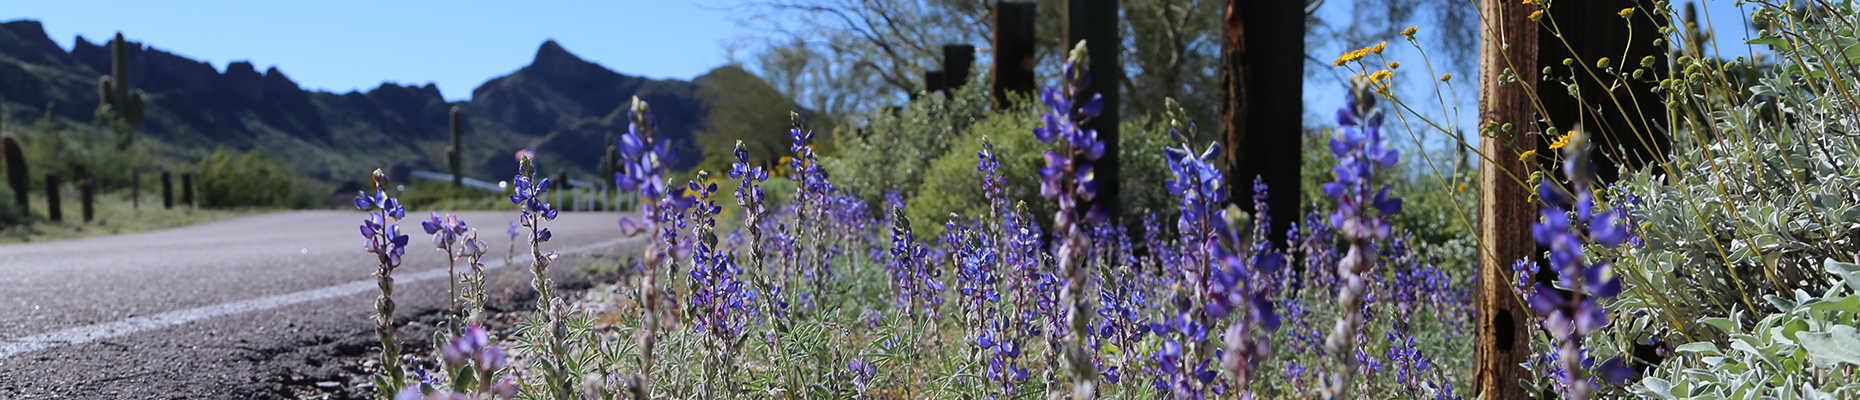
(1658,387)
(1697,347)
(1846,304)
(1848,272)
(1840,344)
(1725,325)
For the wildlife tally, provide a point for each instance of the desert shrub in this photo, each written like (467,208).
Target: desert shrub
(10,213)
(895,150)
(442,196)
(248,179)
(950,185)
(70,151)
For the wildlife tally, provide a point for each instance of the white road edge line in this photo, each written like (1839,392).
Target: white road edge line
(128,326)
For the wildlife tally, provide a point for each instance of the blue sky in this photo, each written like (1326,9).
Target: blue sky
(342,45)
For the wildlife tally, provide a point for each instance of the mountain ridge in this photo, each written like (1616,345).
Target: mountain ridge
(560,104)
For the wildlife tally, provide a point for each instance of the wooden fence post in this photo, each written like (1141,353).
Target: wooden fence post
(53,206)
(86,195)
(167,189)
(187,190)
(1507,76)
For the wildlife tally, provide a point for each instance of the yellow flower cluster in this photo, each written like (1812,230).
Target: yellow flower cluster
(1380,76)
(1562,140)
(1359,53)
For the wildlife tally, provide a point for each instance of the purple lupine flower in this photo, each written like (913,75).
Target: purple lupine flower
(722,301)
(446,231)
(1361,155)
(387,243)
(915,282)
(1068,179)
(1570,310)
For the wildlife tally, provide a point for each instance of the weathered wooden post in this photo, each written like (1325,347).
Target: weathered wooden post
(167,190)
(1507,79)
(1096,23)
(16,175)
(1262,65)
(1014,51)
(53,209)
(187,190)
(85,195)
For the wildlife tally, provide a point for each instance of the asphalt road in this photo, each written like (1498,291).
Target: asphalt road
(250,307)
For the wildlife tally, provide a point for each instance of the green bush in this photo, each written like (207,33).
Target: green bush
(895,150)
(442,196)
(10,214)
(953,185)
(249,179)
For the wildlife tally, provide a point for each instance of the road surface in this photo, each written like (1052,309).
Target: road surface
(250,307)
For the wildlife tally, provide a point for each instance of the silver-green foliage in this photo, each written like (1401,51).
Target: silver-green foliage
(1808,351)
(1760,186)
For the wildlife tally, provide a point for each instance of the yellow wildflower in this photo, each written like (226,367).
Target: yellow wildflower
(1394,64)
(1446,77)
(1527,155)
(1378,47)
(1562,140)
(1409,33)
(1350,56)
(1379,76)
(1602,63)
(1462,187)
(1625,12)
(1535,14)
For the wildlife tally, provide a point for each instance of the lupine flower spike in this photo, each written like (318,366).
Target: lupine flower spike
(388,244)
(645,162)
(447,233)
(1068,179)
(1571,310)
(551,310)
(1361,156)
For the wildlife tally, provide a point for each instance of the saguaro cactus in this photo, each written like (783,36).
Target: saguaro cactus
(453,160)
(117,102)
(16,169)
